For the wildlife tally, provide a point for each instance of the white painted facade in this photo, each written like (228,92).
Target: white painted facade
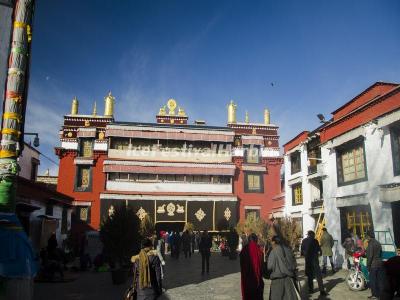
(379,164)
(305,211)
(27,161)
(169,187)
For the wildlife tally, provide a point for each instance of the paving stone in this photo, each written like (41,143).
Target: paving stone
(183,281)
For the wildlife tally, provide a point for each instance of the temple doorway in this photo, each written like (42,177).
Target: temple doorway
(396,222)
(170,226)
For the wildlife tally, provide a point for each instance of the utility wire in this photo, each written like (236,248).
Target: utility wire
(45,156)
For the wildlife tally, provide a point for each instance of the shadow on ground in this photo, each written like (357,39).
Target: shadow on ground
(186,271)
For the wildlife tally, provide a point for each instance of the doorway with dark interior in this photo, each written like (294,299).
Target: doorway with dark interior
(396,222)
(170,226)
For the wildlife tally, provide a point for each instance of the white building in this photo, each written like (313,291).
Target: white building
(41,210)
(303,180)
(357,167)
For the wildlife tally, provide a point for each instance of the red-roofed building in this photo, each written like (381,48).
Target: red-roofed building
(357,163)
(170,170)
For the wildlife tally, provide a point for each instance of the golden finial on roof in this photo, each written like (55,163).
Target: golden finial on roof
(267,116)
(94,109)
(181,112)
(75,106)
(162,111)
(109,105)
(246,118)
(231,112)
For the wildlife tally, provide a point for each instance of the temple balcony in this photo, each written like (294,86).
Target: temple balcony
(169,187)
(152,153)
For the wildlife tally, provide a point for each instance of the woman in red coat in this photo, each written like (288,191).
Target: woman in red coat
(251,260)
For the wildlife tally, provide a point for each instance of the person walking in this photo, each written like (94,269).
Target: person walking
(375,265)
(282,266)
(192,241)
(311,250)
(147,273)
(186,244)
(233,242)
(326,248)
(251,260)
(204,248)
(178,243)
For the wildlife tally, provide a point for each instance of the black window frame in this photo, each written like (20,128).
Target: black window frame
(292,155)
(77,174)
(248,211)
(293,186)
(246,185)
(89,212)
(248,148)
(339,167)
(395,145)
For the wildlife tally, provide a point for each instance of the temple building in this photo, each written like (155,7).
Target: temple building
(172,171)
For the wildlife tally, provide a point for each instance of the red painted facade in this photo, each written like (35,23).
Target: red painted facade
(301,137)
(271,188)
(377,89)
(357,117)
(76,127)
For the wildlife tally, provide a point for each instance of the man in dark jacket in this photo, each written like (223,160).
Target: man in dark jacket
(311,250)
(204,248)
(375,265)
(186,243)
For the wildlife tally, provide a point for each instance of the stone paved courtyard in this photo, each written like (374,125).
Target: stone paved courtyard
(183,281)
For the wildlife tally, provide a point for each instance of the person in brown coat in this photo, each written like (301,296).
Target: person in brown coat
(326,244)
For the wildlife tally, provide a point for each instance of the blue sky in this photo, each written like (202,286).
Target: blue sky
(319,54)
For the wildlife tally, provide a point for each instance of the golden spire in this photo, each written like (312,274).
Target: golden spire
(94,109)
(231,112)
(109,105)
(267,116)
(75,106)
(246,118)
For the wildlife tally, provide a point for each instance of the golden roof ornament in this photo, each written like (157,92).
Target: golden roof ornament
(231,112)
(171,104)
(267,116)
(75,106)
(246,118)
(163,111)
(181,112)
(94,109)
(109,105)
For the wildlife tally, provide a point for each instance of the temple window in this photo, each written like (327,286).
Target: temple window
(351,166)
(252,155)
(395,139)
(119,143)
(86,149)
(83,213)
(83,181)
(252,214)
(253,182)
(297,194)
(295,162)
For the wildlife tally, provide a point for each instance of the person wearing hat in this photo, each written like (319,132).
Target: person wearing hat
(147,272)
(375,265)
(311,250)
